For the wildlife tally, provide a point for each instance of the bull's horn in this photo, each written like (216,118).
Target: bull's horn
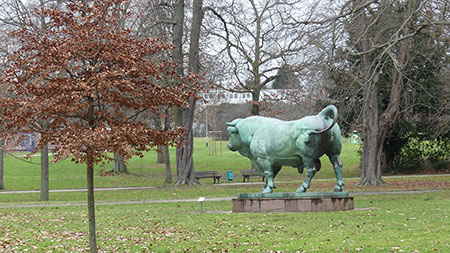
(234,122)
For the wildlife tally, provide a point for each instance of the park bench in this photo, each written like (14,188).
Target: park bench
(247,173)
(207,174)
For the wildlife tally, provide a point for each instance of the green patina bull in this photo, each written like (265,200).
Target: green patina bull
(271,143)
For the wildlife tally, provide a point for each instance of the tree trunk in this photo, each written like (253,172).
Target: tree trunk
(372,143)
(185,162)
(178,52)
(167,162)
(165,125)
(90,182)
(119,165)
(160,155)
(45,125)
(91,203)
(44,174)
(178,36)
(2,155)
(376,127)
(255,101)
(178,58)
(194,43)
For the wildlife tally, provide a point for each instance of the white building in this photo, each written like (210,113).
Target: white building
(217,97)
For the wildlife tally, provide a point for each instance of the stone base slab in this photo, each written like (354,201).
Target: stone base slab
(285,195)
(292,204)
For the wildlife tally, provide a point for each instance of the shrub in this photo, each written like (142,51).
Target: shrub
(422,153)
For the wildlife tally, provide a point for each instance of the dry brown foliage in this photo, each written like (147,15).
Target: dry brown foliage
(93,80)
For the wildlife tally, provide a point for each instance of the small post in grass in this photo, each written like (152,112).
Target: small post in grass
(201,199)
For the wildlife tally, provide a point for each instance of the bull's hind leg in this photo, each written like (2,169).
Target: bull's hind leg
(311,170)
(337,164)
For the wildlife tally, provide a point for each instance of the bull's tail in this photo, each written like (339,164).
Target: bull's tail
(326,114)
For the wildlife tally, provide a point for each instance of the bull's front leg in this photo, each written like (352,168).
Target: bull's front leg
(266,166)
(310,172)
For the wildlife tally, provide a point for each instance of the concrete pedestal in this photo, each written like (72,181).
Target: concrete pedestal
(293,202)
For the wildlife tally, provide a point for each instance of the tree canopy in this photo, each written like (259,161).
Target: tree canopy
(92,80)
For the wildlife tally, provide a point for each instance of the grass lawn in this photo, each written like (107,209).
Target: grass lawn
(380,223)
(20,175)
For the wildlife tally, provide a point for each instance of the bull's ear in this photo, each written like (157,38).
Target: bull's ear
(232,129)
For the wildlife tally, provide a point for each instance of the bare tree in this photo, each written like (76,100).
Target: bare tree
(167,20)
(258,38)
(185,162)
(154,18)
(383,33)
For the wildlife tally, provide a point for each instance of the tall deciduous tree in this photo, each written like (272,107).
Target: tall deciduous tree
(383,36)
(257,39)
(185,162)
(380,42)
(83,72)
(166,19)
(422,107)
(154,19)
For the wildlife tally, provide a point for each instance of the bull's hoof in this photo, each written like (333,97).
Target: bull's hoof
(338,188)
(267,190)
(301,189)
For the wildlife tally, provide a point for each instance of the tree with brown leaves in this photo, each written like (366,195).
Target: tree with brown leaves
(92,80)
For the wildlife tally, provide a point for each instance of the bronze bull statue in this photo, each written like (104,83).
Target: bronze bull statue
(271,143)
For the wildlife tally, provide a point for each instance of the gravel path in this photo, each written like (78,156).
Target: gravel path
(193,200)
(84,190)
(222,184)
(356,193)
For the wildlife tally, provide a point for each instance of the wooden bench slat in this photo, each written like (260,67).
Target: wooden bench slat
(247,173)
(207,174)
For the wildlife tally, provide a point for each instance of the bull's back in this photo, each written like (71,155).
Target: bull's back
(274,139)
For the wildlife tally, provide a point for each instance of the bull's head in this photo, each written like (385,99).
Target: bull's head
(234,143)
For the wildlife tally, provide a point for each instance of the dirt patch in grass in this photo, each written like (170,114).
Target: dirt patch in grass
(426,171)
(391,184)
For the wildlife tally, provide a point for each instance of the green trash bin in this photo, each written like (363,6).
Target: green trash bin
(354,138)
(230,176)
